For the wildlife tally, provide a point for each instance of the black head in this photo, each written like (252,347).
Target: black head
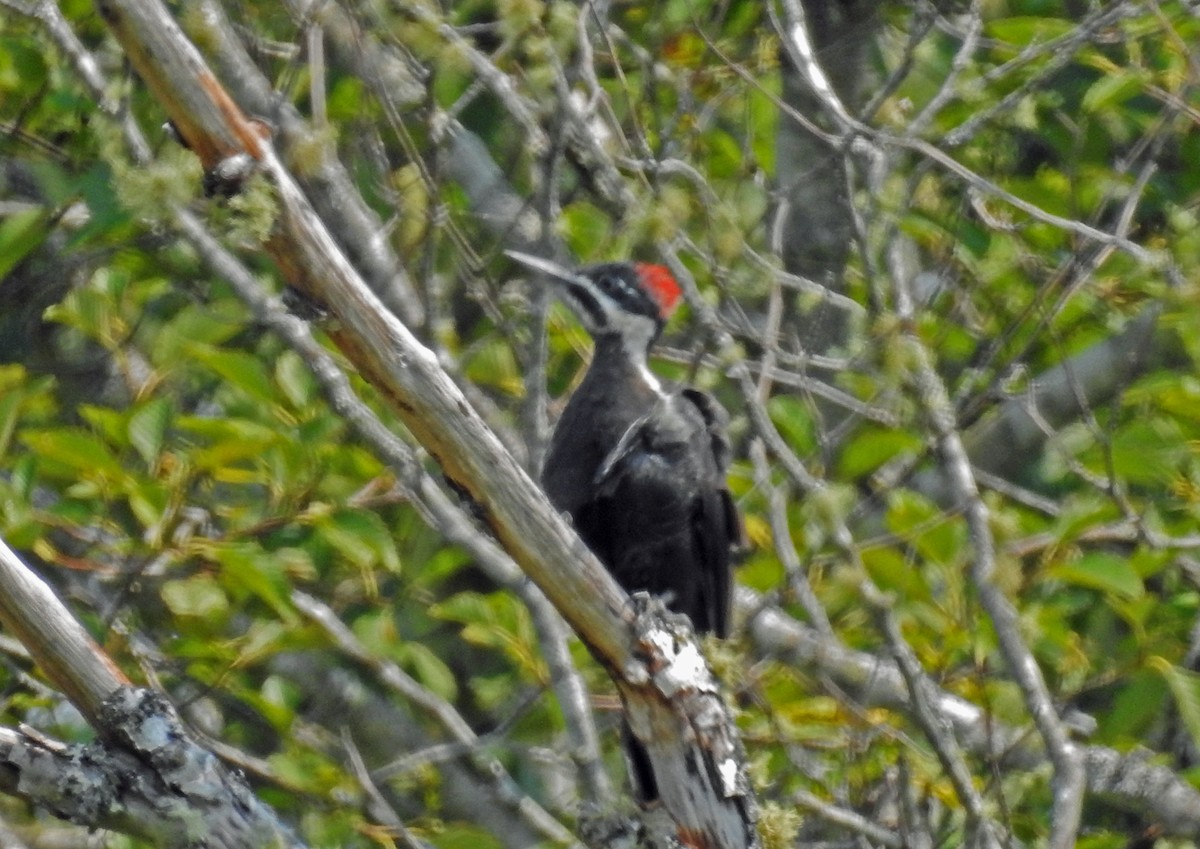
(629,300)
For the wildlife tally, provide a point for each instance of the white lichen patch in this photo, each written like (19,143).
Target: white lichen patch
(685,667)
(635,673)
(728,770)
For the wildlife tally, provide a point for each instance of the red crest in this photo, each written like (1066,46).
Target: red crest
(661,285)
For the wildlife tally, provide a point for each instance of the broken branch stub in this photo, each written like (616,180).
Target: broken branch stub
(674,708)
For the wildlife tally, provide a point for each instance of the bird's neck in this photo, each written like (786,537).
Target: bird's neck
(617,391)
(622,363)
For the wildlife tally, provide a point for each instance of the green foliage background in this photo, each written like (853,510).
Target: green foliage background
(175,471)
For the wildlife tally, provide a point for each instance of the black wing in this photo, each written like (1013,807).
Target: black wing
(719,526)
(662,519)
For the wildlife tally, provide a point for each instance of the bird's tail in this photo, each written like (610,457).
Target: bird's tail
(645,787)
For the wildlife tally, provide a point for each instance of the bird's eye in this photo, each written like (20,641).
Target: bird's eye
(613,286)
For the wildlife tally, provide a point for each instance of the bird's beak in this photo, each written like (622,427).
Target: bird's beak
(578,291)
(545,266)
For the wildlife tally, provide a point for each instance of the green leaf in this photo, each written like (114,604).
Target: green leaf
(76,449)
(295,379)
(872,447)
(90,311)
(1026,29)
(109,424)
(377,631)
(1102,841)
(1113,89)
(1149,451)
(1104,572)
(894,573)
(492,363)
(456,835)
(362,538)
(23,477)
(237,368)
(464,608)
(106,214)
(296,563)
(199,596)
(584,226)
(248,568)
(20,235)
(148,428)
(149,501)
(496,621)
(192,324)
(1185,687)
(725,157)
(231,440)
(425,666)
(10,411)
(1137,705)
(794,422)
(22,61)
(1082,511)
(920,522)
(308,771)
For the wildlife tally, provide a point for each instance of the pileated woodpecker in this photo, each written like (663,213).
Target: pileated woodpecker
(639,466)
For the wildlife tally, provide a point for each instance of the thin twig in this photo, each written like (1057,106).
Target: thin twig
(931,393)
(391,675)
(784,547)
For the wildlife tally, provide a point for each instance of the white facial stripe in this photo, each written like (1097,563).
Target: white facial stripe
(625,288)
(651,379)
(636,332)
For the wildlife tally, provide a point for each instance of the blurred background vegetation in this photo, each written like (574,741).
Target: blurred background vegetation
(1009,195)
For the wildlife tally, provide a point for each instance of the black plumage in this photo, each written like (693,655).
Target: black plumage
(641,471)
(639,466)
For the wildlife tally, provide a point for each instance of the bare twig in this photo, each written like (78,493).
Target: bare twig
(1131,781)
(59,645)
(963,56)
(1068,766)
(784,547)
(450,719)
(379,806)
(985,832)
(844,818)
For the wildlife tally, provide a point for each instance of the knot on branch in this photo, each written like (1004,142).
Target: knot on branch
(145,776)
(70,781)
(128,776)
(144,724)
